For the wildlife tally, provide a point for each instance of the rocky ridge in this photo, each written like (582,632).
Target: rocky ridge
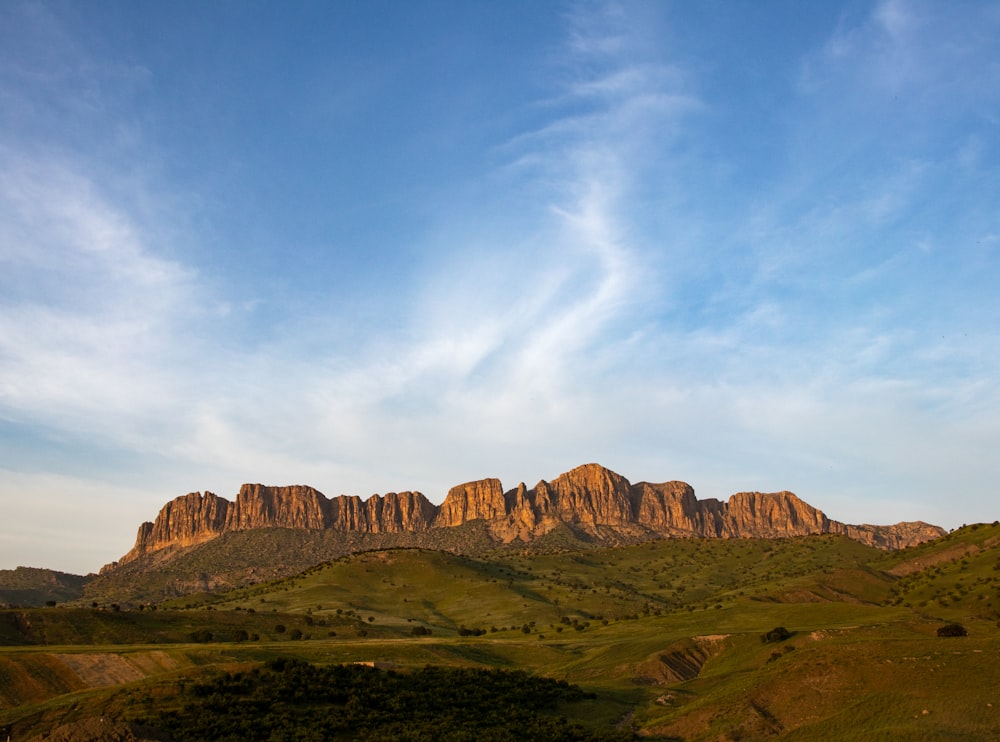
(591,499)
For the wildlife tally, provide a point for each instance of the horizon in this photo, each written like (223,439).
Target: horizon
(396,247)
(507,490)
(438,504)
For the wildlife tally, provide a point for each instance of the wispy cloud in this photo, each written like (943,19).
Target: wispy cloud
(91,316)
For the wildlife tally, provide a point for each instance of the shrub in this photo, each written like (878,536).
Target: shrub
(952,629)
(777,634)
(202,636)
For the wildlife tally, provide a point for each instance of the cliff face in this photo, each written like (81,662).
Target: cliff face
(589,498)
(400,512)
(470,501)
(184,521)
(755,514)
(258,506)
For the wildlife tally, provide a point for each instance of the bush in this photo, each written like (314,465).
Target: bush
(777,634)
(202,636)
(952,629)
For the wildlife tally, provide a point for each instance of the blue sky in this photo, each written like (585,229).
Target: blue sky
(391,246)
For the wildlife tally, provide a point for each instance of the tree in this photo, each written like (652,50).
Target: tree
(952,629)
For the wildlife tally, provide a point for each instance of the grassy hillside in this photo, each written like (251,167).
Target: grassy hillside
(240,558)
(33,587)
(671,636)
(954,578)
(247,557)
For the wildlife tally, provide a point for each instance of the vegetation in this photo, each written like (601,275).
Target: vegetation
(952,629)
(291,699)
(810,638)
(777,634)
(34,587)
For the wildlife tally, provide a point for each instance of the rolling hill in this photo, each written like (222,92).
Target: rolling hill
(676,638)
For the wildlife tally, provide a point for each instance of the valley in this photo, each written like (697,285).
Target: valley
(673,638)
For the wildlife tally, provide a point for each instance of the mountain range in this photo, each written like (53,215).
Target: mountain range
(595,503)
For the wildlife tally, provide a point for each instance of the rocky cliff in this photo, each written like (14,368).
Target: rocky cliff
(590,498)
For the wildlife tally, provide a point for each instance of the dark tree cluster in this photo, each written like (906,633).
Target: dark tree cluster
(293,700)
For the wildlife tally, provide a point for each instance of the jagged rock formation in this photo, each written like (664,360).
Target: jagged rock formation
(591,499)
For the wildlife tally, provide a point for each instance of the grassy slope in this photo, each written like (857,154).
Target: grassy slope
(33,586)
(624,622)
(246,557)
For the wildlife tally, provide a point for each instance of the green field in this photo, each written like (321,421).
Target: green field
(667,636)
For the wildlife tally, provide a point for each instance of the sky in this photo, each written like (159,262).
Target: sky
(386,246)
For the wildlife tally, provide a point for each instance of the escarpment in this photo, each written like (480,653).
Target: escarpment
(471,501)
(590,499)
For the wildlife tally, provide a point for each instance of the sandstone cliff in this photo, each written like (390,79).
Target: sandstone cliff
(471,501)
(185,521)
(590,499)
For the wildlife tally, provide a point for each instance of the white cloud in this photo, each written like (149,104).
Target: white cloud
(91,317)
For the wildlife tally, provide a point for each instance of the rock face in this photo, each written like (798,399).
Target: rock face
(590,499)
(184,521)
(483,499)
(258,506)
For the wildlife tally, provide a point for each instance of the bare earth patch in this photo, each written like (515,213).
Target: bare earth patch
(100,670)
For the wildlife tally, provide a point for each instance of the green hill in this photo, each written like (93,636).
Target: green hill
(34,587)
